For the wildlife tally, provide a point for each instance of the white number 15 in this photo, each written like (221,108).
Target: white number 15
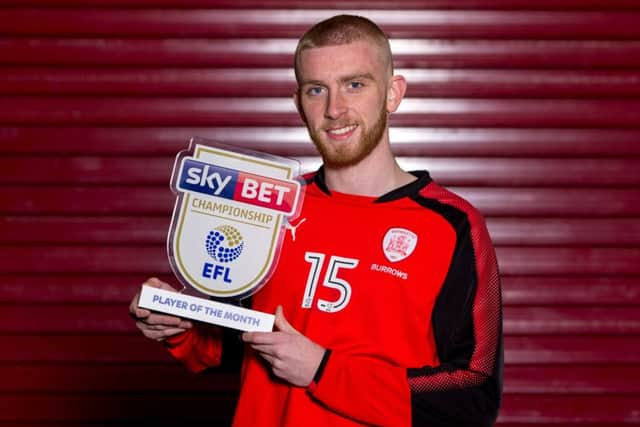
(331,280)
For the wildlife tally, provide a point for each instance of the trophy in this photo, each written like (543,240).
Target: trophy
(226,232)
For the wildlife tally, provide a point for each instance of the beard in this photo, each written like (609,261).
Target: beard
(348,154)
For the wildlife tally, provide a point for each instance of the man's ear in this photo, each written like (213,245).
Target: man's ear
(395,92)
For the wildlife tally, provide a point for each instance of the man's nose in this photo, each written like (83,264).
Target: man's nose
(336,105)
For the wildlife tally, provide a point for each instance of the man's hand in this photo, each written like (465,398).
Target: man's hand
(292,356)
(154,325)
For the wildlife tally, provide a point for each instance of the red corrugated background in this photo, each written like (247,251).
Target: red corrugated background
(529,108)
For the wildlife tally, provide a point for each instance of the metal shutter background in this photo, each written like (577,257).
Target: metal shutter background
(529,108)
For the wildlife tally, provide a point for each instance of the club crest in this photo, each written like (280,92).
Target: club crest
(399,243)
(229,217)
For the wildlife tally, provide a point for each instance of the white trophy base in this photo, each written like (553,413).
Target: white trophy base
(204,310)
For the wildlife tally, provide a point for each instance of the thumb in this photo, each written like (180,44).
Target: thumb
(281,322)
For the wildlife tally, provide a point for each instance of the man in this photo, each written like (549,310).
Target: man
(387,297)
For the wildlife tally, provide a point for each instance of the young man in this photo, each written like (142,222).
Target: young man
(387,297)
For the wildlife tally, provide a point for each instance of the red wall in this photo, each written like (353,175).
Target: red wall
(529,108)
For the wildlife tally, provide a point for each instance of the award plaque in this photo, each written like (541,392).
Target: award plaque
(226,232)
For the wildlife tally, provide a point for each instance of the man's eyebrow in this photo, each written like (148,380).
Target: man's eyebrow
(312,82)
(365,76)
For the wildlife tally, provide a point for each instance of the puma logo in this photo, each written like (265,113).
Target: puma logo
(294,228)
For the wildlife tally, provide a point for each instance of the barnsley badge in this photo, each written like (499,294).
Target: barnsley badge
(399,243)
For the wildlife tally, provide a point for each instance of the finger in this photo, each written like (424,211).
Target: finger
(265,349)
(133,305)
(185,324)
(143,325)
(154,282)
(163,334)
(260,338)
(281,322)
(140,313)
(155,319)
(158,329)
(166,320)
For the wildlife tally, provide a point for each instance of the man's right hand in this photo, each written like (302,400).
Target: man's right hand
(155,325)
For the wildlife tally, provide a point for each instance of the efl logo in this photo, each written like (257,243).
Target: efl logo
(217,181)
(224,244)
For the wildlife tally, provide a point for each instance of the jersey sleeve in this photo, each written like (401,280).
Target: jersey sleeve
(465,388)
(198,348)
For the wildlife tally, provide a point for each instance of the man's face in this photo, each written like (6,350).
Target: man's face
(342,99)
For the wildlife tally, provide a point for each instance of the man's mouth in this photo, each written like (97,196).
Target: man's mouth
(342,131)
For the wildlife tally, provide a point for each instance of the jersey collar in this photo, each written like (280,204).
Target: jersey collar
(423,179)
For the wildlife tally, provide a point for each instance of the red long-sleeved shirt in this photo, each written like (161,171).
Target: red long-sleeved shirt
(403,290)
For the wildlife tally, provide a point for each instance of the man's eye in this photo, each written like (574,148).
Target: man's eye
(314,91)
(355,85)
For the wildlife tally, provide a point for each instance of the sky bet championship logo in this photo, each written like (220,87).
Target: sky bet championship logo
(235,204)
(244,187)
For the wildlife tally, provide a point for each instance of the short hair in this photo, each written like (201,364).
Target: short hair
(339,30)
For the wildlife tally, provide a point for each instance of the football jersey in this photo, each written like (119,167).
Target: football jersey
(402,290)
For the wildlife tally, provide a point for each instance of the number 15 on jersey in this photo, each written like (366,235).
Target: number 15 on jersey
(331,280)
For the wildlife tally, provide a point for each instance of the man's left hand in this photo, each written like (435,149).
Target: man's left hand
(292,356)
